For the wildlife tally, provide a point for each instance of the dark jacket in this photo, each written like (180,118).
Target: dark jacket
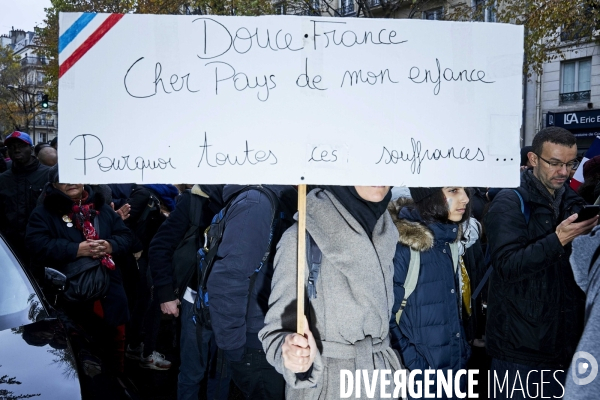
(120,193)
(52,243)
(171,233)
(19,191)
(236,319)
(143,220)
(535,308)
(431,333)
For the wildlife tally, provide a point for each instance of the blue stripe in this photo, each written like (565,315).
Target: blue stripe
(74,30)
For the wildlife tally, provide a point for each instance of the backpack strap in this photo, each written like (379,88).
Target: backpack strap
(274,221)
(412,276)
(479,287)
(220,227)
(314,257)
(525,210)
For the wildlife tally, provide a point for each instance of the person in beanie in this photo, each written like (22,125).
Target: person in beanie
(535,308)
(429,332)
(20,187)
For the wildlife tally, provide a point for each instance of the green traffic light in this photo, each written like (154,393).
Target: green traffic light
(45,101)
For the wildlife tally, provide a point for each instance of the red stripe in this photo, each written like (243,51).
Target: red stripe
(575,184)
(89,43)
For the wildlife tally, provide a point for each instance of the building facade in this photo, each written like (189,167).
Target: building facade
(568,94)
(42,122)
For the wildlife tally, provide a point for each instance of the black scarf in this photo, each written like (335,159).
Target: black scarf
(365,212)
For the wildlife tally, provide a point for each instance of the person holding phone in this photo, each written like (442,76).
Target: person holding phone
(535,308)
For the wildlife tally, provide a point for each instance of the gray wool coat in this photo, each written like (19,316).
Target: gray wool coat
(350,316)
(587,277)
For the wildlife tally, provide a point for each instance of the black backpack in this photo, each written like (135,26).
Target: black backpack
(185,255)
(147,223)
(207,255)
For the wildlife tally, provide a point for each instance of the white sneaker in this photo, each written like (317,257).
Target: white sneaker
(155,361)
(135,353)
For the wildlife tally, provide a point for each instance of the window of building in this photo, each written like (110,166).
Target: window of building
(484,10)
(280,9)
(434,14)
(346,7)
(575,80)
(580,27)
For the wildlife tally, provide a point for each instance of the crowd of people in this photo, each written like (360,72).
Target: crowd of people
(416,282)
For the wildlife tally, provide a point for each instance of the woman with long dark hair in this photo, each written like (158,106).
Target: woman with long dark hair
(428,329)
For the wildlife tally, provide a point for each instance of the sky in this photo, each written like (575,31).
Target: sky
(22,14)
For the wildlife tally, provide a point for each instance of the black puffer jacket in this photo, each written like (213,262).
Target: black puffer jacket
(52,243)
(535,308)
(20,188)
(166,275)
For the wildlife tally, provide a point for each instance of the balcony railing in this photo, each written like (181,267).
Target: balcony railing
(44,122)
(33,61)
(374,3)
(574,97)
(311,13)
(346,9)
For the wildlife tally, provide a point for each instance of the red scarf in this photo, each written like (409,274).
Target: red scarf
(82,215)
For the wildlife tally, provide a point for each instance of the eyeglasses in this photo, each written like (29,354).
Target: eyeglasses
(559,165)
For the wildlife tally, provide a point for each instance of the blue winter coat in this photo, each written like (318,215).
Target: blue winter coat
(236,319)
(431,333)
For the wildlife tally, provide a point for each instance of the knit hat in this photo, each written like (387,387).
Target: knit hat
(419,193)
(22,136)
(591,168)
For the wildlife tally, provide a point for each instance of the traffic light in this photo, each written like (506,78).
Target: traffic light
(44,101)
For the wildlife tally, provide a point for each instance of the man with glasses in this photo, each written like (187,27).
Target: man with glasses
(535,308)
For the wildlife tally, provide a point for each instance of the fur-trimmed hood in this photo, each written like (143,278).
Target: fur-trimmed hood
(59,203)
(413,234)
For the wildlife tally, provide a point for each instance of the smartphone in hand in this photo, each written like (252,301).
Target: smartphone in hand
(587,212)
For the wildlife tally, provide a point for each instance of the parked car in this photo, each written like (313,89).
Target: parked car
(43,353)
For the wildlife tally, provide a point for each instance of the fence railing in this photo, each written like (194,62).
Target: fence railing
(574,96)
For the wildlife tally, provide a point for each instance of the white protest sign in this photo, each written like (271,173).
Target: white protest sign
(288,100)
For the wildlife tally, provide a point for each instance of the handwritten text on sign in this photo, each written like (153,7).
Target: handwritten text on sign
(169,99)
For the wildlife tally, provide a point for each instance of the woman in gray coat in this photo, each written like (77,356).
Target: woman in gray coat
(349,318)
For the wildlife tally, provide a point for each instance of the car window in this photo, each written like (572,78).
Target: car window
(18,300)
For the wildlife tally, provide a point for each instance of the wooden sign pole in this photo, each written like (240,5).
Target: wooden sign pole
(301,256)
